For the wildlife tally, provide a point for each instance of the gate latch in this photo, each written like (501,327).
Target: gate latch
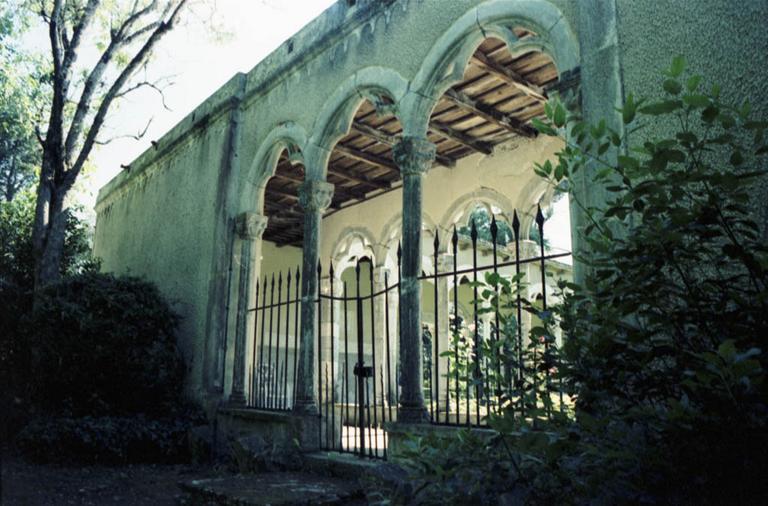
(365,371)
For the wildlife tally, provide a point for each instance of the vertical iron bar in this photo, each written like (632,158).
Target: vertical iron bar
(373,346)
(328,426)
(323,419)
(252,382)
(333,359)
(540,222)
(436,356)
(383,415)
(399,299)
(496,335)
(284,396)
(269,351)
(389,355)
(345,392)
(261,343)
(368,417)
(276,386)
(477,352)
(359,366)
(519,326)
(296,311)
(455,336)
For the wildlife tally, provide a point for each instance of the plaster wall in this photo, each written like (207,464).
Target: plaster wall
(161,227)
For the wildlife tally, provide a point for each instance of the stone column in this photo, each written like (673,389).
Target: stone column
(249,228)
(414,156)
(314,197)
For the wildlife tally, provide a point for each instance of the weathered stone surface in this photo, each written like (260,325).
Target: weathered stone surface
(258,454)
(271,489)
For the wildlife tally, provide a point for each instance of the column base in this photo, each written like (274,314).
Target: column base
(412,414)
(236,400)
(305,407)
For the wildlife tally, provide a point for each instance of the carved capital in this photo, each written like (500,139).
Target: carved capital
(250,226)
(414,155)
(315,195)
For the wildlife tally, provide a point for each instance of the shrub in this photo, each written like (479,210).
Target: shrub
(104,345)
(109,439)
(665,347)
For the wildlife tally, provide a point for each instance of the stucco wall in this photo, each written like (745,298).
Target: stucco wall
(161,225)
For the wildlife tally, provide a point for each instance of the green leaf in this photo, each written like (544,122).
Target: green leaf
(544,128)
(678,66)
(736,159)
(559,115)
(659,108)
(696,100)
(693,83)
(672,87)
(629,110)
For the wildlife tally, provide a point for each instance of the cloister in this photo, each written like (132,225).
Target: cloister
(361,144)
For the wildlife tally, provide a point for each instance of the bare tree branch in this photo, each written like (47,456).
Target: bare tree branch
(70,56)
(138,60)
(137,136)
(117,40)
(155,85)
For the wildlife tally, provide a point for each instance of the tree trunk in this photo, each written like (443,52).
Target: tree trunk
(49,227)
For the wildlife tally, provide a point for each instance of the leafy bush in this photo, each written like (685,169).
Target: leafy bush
(665,354)
(109,439)
(16,281)
(104,345)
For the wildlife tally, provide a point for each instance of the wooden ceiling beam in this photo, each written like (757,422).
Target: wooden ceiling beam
(370,158)
(509,76)
(490,114)
(391,140)
(461,137)
(359,179)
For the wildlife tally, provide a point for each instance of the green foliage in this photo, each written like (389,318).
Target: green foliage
(482,219)
(667,336)
(23,93)
(104,344)
(17,262)
(109,439)
(665,354)
(16,280)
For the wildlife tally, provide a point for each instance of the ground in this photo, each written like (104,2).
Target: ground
(27,484)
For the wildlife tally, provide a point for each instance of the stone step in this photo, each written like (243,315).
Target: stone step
(340,465)
(279,488)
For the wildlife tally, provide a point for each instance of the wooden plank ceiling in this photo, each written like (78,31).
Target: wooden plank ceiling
(494,103)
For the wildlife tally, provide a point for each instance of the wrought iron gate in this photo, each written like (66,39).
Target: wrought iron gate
(507,362)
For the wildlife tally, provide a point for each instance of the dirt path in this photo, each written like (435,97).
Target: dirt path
(26,484)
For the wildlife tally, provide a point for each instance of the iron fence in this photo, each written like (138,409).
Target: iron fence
(482,354)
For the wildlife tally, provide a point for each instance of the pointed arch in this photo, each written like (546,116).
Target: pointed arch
(376,84)
(444,65)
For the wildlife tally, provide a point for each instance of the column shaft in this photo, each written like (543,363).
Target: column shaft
(414,156)
(249,227)
(315,196)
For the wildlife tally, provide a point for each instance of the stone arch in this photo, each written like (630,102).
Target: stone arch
(445,63)
(287,135)
(391,231)
(346,241)
(485,196)
(336,115)
(542,194)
